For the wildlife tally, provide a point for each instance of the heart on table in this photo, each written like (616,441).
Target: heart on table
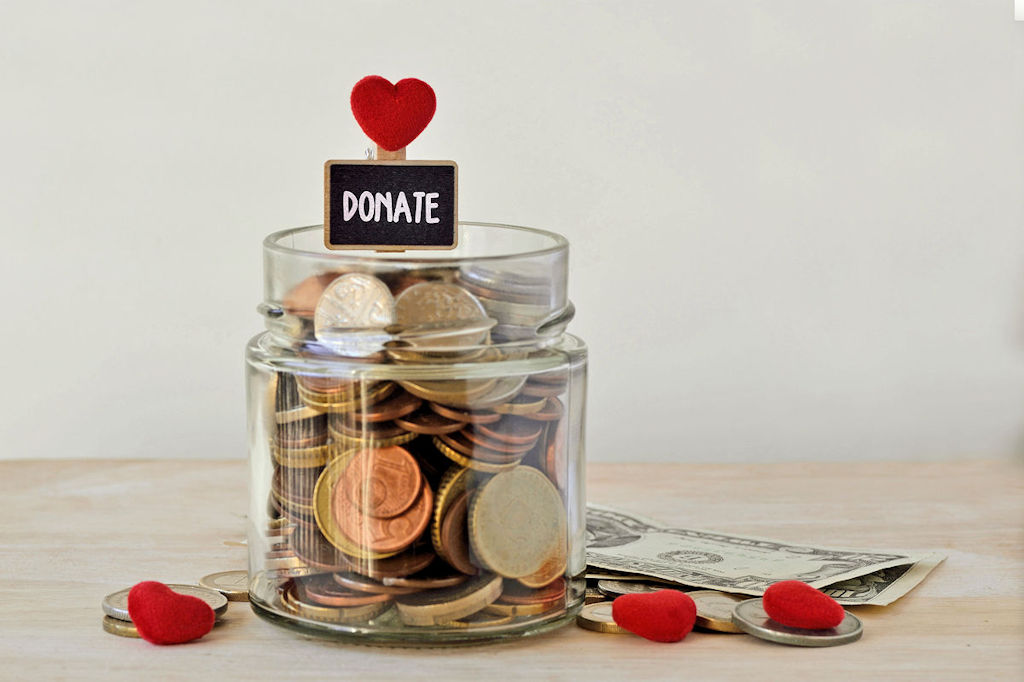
(662,616)
(162,616)
(392,115)
(798,605)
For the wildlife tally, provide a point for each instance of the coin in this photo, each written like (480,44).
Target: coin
(524,405)
(617,588)
(550,571)
(429,423)
(454,536)
(515,593)
(368,431)
(551,410)
(412,560)
(302,299)
(598,617)
(121,628)
(432,607)
(116,605)
(351,314)
(323,590)
(433,578)
(476,438)
(750,617)
(480,619)
(440,304)
(470,416)
(382,482)
(516,521)
(512,430)
(455,392)
(232,584)
(714,609)
(382,535)
(324,496)
(476,464)
(331,614)
(361,583)
(398,405)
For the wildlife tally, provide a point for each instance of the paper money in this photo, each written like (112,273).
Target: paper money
(625,543)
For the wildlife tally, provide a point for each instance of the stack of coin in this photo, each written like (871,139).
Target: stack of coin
(116,620)
(430,501)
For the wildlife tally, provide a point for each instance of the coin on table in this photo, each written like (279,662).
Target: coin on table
(516,522)
(714,609)
(232,584)
(750,616)
(598,617)
(617,588)
(121,628)
(116,605)
(433,607)
(351,314)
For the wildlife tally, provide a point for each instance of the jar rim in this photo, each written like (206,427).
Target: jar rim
(273,242)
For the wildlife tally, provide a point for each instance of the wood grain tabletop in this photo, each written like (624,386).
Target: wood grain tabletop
(74,531)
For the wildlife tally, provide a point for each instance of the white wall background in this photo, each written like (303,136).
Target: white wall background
(797,227)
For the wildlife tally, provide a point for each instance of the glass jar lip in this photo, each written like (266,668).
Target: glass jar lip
(273,243)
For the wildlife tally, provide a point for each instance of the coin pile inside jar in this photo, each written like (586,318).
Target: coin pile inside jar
(425,502)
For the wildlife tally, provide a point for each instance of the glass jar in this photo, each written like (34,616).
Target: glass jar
(416,440)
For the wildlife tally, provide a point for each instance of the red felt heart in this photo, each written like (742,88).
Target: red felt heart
(662,616)
(798,605)
(162,616)
(393,115)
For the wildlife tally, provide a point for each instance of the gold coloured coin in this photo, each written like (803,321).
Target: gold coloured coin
(453,482)
(714,610)
(516,610)
(344,443)
(598,617)
(476,464)
(332,614)
(232,584)
(480,619)
(517,522)
(121,628)
(433,607)
(454,392)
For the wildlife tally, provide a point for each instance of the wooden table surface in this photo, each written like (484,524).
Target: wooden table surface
(75,531)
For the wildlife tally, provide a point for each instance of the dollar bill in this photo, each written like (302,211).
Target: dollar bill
(621,543)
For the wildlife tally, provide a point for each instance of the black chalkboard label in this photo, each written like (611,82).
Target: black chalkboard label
(391,205)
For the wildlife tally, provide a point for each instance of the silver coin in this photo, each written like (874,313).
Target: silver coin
(714,610)
(749,615)
(351,315)
(617,588)
(116,605)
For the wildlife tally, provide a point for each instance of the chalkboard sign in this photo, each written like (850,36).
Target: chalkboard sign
(390,205)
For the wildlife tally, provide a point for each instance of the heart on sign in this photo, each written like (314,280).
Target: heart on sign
(796,604)
(662,616)
(162,616)
(392,115)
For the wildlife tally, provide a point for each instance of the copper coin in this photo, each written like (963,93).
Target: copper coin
(552,411)
(429,423)
(455,535)
(461,444)
(382,482)
(513,430)
(515,593)
(433,578)
(301,300)
(360,583)
(312,547)
(322,589)
(477,438)
(394,407)
(382,534)
(542,390)
(301,442)
(328,385)
(470,416)
(368,430)
(411,561)
(294,484)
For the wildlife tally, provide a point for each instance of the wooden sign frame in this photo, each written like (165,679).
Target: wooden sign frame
(389,247)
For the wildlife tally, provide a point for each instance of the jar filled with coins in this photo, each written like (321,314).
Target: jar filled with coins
(416,440)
